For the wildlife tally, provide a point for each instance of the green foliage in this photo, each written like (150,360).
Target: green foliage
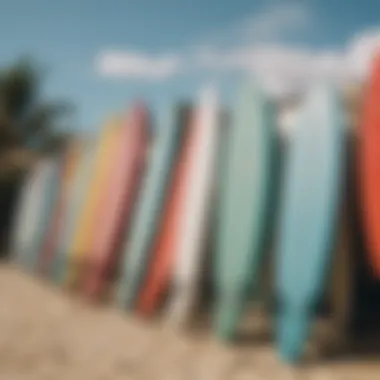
(26,120)
(30,126)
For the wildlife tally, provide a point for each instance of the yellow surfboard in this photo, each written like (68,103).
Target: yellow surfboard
(104,159)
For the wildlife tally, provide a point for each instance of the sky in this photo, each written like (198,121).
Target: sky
(103,54)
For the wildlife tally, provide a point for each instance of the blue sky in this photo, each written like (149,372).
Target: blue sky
(237,37)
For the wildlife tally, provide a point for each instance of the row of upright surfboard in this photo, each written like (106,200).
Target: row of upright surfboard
(138,206)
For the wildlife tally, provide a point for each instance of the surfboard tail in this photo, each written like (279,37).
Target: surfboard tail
(125,295)
(292,334)
(228,314)
(73,276)
(118,298)
(58,269)
(181,308)
(149,300)
(93,286)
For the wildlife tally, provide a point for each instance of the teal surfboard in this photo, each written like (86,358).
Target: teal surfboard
(138,245)
(244,204)
(309,206)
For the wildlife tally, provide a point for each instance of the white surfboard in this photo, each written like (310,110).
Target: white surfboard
(197,211)
(24,203)
(32,212)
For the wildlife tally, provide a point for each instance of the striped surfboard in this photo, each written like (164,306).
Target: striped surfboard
(138,247)
(79,252)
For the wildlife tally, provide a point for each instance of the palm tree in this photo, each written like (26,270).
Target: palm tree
(26,120)
(29,127)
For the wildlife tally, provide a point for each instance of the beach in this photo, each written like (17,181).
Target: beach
(48,334)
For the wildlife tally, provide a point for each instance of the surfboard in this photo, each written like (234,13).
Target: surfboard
(334,335)
(244,206)
(45,171)
(160,266)
(196,210)
(65,174)
(138,246)
(118,200)
(207,299)
(309,209)
(20,223)
(49,194)
(369,167)
(79,252)
(76,196)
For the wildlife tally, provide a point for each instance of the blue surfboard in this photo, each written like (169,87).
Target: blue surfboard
(309,209)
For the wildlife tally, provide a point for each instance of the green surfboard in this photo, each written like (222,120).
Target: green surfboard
(247,177)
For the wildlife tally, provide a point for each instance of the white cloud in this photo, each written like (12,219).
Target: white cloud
(276,22)
(281,69)
(284,69)
(361,50)
(261,50)
(271,23)
(137,65)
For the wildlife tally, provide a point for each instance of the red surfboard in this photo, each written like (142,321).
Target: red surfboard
(369,166)
(162,262)
(118,201)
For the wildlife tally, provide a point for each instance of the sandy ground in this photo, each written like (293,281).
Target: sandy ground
(48,335)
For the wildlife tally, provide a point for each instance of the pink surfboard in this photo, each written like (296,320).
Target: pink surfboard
(118,201)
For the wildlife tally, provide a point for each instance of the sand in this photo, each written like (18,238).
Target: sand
(48,335)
